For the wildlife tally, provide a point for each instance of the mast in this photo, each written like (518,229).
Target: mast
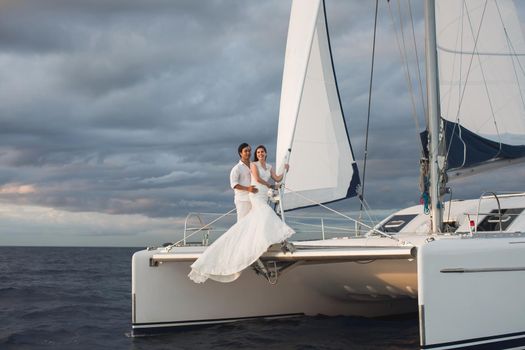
(433,114)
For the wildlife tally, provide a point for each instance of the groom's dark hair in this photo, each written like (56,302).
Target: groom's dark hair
(241,147)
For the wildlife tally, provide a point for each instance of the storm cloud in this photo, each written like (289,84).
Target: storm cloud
(136,107)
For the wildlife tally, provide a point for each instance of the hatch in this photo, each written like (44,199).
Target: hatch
(396,223)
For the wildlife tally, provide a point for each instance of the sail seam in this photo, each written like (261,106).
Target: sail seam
(461,52)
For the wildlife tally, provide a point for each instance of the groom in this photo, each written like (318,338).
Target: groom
(240,181)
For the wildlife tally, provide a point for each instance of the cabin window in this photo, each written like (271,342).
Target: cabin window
(492,221)
(396,223)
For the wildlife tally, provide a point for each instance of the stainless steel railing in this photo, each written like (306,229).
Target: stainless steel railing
(212,225)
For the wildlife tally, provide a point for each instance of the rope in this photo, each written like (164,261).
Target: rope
(417,58)
(511,49)
(468,71)
(346,216)
(514,56)
(374,221)
(369,108)
(402,53)
(424,180)
(484,79)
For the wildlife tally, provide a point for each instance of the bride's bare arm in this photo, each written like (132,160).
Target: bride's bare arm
(255,174)
(276,177)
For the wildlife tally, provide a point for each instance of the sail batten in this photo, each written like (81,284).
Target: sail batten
(311,121)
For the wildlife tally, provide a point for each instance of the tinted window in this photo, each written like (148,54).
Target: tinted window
(396,223)
(491,222)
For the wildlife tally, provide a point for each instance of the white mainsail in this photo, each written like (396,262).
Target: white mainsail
(481,52)
(311,121)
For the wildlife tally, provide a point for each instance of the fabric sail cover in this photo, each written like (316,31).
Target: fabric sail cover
(311,122)
(481,54)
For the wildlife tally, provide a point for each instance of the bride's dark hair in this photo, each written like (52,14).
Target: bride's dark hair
(255,153)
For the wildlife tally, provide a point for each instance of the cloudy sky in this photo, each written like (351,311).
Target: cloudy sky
(118,117)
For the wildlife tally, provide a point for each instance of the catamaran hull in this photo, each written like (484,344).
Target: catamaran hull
(471,293)
(164,297)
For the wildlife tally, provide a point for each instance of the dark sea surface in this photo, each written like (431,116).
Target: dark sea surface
(79,298)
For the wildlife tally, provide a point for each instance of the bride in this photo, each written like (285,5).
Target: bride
(250,237)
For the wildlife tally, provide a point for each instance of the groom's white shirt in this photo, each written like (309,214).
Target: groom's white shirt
(241,175)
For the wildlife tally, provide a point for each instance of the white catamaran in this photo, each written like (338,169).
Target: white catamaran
(464,272)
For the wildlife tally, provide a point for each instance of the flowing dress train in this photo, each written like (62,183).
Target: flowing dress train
(244,242)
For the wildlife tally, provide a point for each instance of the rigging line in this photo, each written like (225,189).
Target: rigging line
(460,135)
(375,230)
(449,205)
(512,50)
(374,220)
(334,228)
(485,80)
(369,107)
(364,205)
(404,60)
(417,58)
(516,73)
(409,77)
(468,71)
(461,33)
(459,89)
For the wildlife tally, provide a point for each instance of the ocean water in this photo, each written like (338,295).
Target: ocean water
(79,298)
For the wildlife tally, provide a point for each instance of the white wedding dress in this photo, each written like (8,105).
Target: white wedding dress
(244,242)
